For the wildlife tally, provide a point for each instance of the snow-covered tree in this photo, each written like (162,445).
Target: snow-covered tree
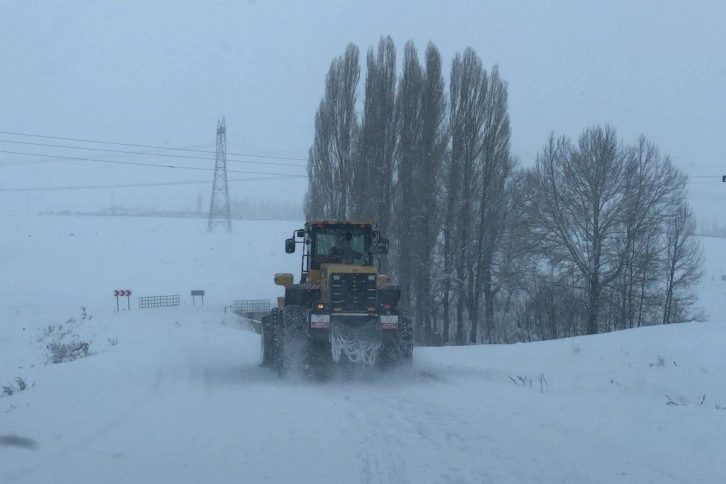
(331,158)
(374,161)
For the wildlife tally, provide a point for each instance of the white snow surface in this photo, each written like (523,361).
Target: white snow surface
(177,394)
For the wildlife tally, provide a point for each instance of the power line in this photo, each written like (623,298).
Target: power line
(148,146)
(135,185)
(714,182)
(135,163)
(105,150)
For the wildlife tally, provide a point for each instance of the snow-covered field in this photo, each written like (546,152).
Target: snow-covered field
(176,394)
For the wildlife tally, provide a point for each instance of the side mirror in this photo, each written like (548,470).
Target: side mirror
(290,246)
(300,233)
(383,246)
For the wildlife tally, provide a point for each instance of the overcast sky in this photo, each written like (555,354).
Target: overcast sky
(161,73)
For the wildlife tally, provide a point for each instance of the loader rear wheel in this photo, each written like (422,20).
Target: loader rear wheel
(399,351)
(268,337)
(278,359)
(290,338)
(319,361)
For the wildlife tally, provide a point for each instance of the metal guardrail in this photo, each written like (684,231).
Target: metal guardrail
(250,305)
(158,301)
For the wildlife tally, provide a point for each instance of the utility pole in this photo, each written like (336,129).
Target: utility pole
(219,207)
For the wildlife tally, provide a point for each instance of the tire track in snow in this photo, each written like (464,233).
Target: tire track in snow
(378,451)
(438,433)
(403,438)
(435,436)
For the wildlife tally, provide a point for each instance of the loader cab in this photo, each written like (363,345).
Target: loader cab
(351,243)
(341,244)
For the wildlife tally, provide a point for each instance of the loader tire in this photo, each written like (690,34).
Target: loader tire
(291,339)
(319,360)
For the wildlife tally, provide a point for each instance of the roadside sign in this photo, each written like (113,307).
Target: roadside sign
(195,293)
(123,293)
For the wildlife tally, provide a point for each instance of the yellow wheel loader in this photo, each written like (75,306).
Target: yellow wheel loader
(342,310)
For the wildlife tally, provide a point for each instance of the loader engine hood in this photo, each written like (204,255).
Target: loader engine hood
(349,288)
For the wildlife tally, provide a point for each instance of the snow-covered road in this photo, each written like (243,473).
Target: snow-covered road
(181,398)
(177,394)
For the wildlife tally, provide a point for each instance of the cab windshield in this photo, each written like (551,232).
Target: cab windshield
(341,245)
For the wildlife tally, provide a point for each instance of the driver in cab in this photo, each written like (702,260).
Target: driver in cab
(342,251)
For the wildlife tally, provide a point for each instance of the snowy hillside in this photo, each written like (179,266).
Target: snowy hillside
(176,394)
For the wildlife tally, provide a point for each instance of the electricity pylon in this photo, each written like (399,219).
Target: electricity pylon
(219,208)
